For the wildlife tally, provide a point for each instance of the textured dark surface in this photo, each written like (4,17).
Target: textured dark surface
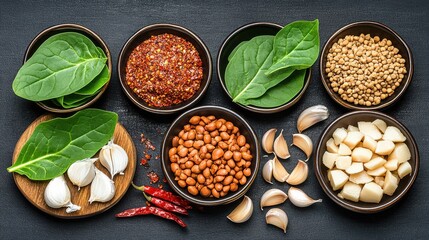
(115,21)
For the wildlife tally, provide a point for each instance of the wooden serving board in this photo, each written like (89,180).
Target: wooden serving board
(34,190)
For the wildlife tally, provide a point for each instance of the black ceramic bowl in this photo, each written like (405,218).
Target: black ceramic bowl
(218,112)
(246,33)
(156,29)
(375,29)
(322,172)
(44,35)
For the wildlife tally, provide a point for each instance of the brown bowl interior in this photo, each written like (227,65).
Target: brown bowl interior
(157,29)
(44,35)
(322,172)
(374,29)
(246,33)
(219,112)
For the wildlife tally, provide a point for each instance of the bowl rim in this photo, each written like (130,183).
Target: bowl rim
(136,100)
(251,108)
(72,27)
(384,104)
(211,201)
(318,166)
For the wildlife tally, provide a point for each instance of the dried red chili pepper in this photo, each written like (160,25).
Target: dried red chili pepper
(151,210)
(166,205)
(168,196)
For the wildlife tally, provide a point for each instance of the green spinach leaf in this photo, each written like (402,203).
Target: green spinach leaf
(282,92)
(95,85)
(245,76)
(235,50)
(296,45)
(57,143)
(63,64)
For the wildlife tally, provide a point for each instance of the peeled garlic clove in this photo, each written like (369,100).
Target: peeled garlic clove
(299,198)
(242,212)
(114,158)
(267,171)
(280,147)
(277,217)
(279,172)
(311,116)
(299,173)
(273,197)
(57,195)
(81,173)
(304,143)
(102,188)
(268,140)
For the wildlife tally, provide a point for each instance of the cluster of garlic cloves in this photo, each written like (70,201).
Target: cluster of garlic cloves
(114,158)
(82,172)
(102,188)
(57,195)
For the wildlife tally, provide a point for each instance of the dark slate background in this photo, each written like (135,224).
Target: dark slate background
(116,21)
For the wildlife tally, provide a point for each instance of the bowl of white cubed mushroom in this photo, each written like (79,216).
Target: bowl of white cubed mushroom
(366,161)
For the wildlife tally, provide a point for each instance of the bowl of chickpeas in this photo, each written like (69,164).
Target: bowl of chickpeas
(210,156)
(366,66)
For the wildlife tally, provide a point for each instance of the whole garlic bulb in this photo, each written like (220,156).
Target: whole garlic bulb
(114,158)
(81,173)
(102,188)
(57,195)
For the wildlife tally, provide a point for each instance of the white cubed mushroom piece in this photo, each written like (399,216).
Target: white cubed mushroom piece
(339,135)
(361,154)
(371,193)
(351,191)
(353,138)
(367,128)
(390,184)
(380,124)
(384,147)
(401,152)
(338,179)
(329,159)
(394,134)
(404,169)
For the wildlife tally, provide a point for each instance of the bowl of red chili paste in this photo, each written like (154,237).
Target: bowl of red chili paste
(164,68)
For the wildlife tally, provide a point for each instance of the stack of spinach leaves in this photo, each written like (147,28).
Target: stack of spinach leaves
(269,71)
(67,69)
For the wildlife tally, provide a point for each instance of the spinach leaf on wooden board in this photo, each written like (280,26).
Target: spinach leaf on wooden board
(235,50)
(296,45)
(282,92)
(95,85)
(63,64)
(57,143)
(245,76)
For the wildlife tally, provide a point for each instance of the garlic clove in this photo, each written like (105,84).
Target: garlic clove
(57,195)
(81,173)
(279,172)
(267,171)
(273,197)
(102,188)
(242,212)
(114,158)
(311,116)
(304,143)
(299,173)
(268,140)
(120,159)
(278,218)
(280,147)
(299,198)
